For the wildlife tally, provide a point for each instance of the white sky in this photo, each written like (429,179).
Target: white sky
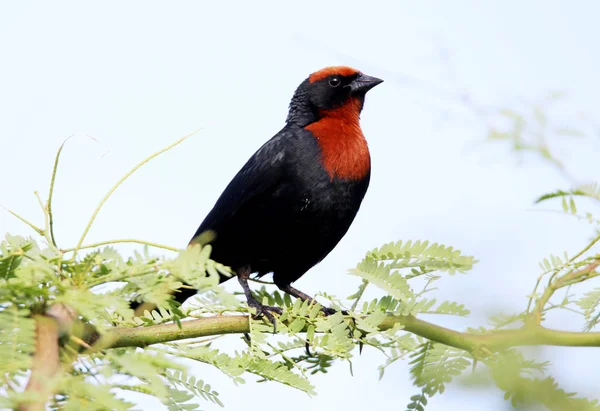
(128,78)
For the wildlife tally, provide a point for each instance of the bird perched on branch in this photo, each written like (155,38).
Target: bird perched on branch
(296,197)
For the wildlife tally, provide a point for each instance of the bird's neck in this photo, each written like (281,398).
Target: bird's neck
(344,149)
(301,111)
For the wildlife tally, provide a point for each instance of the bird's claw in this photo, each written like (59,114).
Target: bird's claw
(330,311)
(266,311)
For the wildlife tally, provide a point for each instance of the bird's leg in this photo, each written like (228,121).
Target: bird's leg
(305,297)
(243,274)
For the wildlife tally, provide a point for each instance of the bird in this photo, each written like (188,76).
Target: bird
(296,197)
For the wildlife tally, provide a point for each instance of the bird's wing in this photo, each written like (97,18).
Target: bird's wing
(260,176)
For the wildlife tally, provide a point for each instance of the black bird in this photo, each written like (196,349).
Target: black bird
(296,197)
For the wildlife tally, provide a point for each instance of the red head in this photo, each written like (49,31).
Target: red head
(328,104)
(329,89)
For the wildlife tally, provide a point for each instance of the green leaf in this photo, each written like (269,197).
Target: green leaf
(587,190)
(510,372)
(275,371)
(435,365)
(17,341)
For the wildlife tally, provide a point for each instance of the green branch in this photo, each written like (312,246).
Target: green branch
(203,327)
(477,344)
(572,277)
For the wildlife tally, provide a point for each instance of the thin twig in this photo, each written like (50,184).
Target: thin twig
(33,226)
(51,192)
(124,240)
(46,232)
(359,294)
(256,280)
(577,276)
(560,282)
(566,280)
(121,180)
(289,360)
(590,245)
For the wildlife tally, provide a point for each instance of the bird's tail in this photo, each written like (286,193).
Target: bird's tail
(181,295)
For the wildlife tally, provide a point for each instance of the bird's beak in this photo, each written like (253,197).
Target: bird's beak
(364,83)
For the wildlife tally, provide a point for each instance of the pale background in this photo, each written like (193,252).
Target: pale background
(128,78)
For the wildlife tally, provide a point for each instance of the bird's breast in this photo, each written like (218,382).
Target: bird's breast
(344,149)
(325,200)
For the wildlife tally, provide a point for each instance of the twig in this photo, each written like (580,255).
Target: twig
(287,359)
(553,286)
(578,276)
(566,280)
(121,180)
(33,226)
(358,295)
(51,192)
(46,231)
(590,245)
(125,240)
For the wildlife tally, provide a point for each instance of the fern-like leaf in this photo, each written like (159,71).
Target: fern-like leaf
(586,190)
(190,387)
(17,341)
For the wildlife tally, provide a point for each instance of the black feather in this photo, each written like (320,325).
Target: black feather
(282,213)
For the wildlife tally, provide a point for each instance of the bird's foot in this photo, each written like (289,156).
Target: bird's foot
(330,311)
(266,311)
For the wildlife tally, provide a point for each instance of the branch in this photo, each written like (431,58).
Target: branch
(477,344)
(59,320)
(570,278)
(45,364)
(46,358)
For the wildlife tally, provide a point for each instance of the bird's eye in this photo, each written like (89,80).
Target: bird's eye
(335,81)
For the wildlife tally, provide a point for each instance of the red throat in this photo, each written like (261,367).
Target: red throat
(343,146)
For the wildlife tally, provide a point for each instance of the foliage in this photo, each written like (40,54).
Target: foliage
(17,343)
(98,285)
(528,128)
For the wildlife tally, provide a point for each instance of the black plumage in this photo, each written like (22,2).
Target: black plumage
(296,197)
(282,213)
